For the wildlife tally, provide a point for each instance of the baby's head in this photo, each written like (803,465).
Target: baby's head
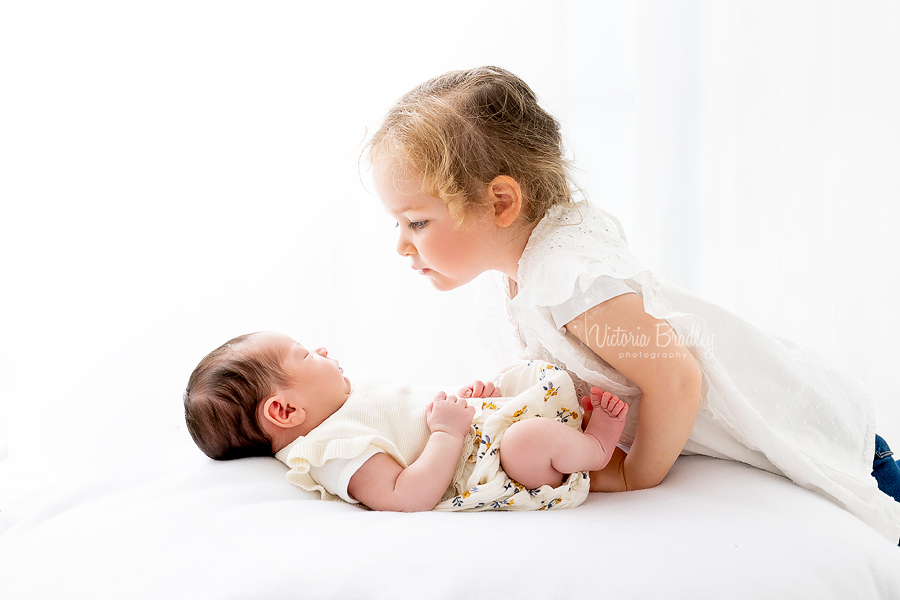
(459,131)
(258,392)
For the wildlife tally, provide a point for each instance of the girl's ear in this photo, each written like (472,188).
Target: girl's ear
(505,195)
(282,412)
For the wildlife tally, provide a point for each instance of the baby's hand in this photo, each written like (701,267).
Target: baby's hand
(478,389)
(450,415)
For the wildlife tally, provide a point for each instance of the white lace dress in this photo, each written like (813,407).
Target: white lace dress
(766,401)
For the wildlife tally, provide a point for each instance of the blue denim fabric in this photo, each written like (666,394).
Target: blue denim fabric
(885,469)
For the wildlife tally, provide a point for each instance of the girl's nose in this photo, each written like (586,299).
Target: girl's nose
(321,352)
(404,247)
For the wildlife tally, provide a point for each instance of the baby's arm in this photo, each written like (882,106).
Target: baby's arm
(382,484)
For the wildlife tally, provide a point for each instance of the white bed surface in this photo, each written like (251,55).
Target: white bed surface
(713,529)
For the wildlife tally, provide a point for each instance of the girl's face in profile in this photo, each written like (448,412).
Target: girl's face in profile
(450,255)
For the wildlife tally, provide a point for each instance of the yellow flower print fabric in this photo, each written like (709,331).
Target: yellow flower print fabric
(535,389)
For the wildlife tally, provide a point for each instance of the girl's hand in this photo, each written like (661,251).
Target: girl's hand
(479,389)
(449,414)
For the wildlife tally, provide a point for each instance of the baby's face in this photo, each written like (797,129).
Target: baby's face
(311,373)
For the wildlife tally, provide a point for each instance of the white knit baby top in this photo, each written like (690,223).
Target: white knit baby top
(378,412)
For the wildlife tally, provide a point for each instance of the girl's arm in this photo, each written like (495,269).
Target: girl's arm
(382,484)
(647,351)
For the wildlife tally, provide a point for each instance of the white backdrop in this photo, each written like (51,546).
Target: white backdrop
(176,173)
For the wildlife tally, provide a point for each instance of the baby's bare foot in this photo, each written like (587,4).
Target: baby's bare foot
(606,423)
(609,404)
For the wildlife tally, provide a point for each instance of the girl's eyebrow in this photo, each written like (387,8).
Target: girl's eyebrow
(408,208)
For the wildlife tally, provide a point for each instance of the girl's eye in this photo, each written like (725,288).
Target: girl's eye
(417,224)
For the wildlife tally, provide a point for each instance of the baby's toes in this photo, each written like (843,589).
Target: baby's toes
(608,401)
(614,406)
(597,398)
(620,410)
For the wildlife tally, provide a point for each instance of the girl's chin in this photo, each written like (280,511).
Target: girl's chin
(444,285)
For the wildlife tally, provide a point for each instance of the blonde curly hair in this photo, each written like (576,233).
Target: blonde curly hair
(460,130)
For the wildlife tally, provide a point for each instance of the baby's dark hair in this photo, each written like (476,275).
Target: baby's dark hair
(460,130)
(223,395)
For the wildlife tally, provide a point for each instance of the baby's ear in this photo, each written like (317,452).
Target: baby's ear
(505,195)
(283,413)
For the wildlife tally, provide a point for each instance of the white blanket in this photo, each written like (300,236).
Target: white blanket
(713,529)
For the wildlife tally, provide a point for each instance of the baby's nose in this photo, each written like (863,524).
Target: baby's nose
(321,352)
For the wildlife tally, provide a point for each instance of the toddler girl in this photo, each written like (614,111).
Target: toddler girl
(472,169)
(387,446)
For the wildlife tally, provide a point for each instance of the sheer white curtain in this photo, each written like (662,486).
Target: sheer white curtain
(176,173)
(752,150)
